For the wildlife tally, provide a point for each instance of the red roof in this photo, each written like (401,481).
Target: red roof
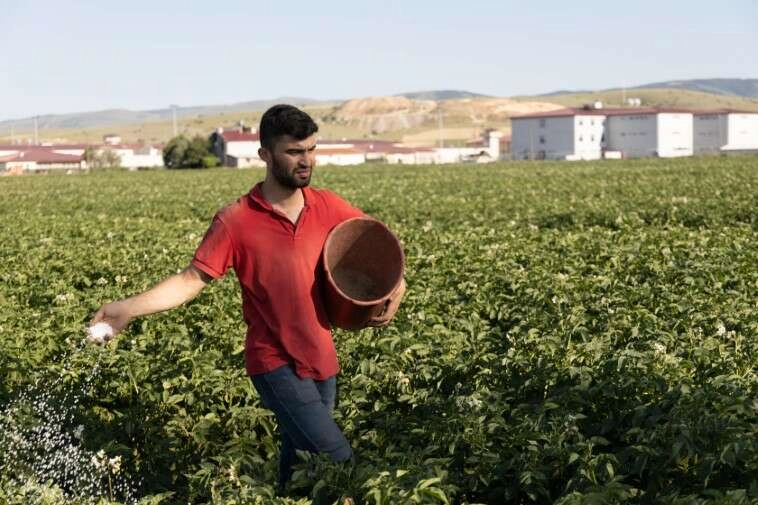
(480,142)
(63,147)
(408,150)
(705,112)
(235,136)
(614,111)
(363,145)
(358,142)
(340,150)
(40,154)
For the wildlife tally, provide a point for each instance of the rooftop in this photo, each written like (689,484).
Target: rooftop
(625,111)
(237,136)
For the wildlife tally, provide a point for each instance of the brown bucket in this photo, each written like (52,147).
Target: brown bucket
(363,262)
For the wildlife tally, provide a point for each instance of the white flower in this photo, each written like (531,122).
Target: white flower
(115,464)
(469,402)
(99,460)
(64,297)
(659,348)
(721,330)
(102,281)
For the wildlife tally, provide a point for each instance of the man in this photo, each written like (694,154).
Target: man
(272,237)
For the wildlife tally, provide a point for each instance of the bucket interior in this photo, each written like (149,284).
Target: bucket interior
(364,259)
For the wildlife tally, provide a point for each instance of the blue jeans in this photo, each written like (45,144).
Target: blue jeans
(303,410)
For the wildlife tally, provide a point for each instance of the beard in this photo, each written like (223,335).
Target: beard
(287,179)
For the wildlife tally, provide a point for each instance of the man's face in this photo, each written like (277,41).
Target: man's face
(291,161)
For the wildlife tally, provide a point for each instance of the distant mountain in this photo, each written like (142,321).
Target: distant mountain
(115,117)
(747,88)
(442,94)
(565,92)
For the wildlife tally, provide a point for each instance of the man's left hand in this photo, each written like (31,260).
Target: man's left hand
(390,309)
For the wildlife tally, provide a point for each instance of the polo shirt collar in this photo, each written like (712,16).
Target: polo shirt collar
(256,196)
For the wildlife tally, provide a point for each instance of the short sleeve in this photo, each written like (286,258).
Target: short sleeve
(215,254)
(340,209)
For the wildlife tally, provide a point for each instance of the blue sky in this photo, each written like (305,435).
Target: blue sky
(86,55)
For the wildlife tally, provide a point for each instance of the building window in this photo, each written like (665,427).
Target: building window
(542,123)
(581,139)
(592,138)
(542,139)
(592,122)
(580,122)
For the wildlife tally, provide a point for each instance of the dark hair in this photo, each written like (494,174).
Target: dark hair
(282,120)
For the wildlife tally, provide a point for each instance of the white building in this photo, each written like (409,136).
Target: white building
(237,148)
(666,133)
(39,159)
(588,133)
(69,156)
(558,135)
(724,131)
(496,142)
(341,156)
(132,156)
(111,139)
(137,156)
(401,155)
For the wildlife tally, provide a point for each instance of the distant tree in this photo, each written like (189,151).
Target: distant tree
(196,151)
(211,161)
(98,159)
(173,153)
(181,152)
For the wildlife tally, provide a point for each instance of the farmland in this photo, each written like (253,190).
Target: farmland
(572,333)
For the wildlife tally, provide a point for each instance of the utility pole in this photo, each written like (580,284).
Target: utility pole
(173,116)
(439,126)
(36,131)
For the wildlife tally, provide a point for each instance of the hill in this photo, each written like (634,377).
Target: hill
(416,121)
(747,88)
(425,121)
(116,117)
(394,117)
(443,94)
(656,97)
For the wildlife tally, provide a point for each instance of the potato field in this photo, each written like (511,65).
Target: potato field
(573,333)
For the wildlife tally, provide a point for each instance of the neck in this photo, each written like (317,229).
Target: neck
(279,195)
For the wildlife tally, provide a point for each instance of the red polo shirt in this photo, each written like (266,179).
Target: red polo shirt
(277,264)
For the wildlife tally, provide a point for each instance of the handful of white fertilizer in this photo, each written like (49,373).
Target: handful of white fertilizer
(99,333)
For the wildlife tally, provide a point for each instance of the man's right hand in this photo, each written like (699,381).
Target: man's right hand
(117,314)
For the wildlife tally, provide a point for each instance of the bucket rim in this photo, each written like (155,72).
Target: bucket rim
(330,277)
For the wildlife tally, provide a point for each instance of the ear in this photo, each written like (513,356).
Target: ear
(264,154)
